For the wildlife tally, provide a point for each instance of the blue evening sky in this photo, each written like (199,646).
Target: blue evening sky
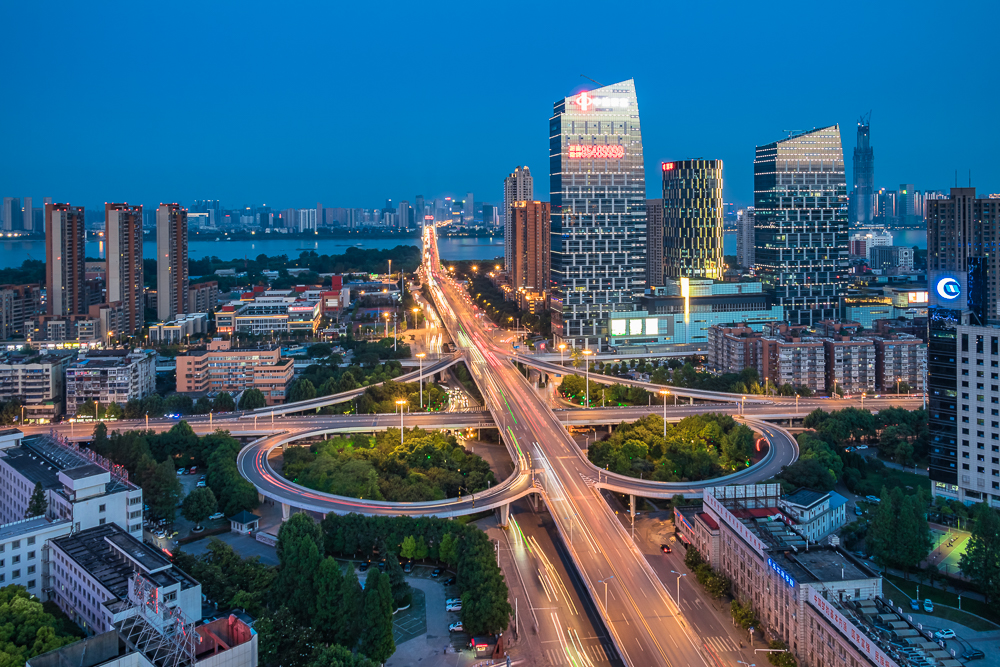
(348,103)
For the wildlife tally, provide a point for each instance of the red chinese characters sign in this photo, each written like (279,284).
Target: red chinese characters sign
(858,638)
(578,152)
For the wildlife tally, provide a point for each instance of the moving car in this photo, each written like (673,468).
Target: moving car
(946,633)
(974,654)
(928,605)
(217,515)
(665,548)
(454,607)
(456,627)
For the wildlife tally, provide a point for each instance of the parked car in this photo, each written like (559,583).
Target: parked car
(928,605)
(217,515)
(946,633)
(408,567)
(450,581)
(454,607)
(202,477)
(364,566)
(201,484)
(860,447)
(858,511)
(915,605)
(194,470)
(873,499)
(974,654)
(453,601)
(456,627)
(437,572)
(181,471)
(665,548)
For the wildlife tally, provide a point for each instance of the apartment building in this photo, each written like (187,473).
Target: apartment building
(799,362)
(38,380)
(82,491)
(18,304)
(732,348)
(899,358)
(222,367)
(809,597)
(180,329)
(203,297)
(110,376)
(850,364)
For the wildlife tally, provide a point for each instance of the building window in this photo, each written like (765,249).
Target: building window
(31,569)
(102,522)
(16,574)
(31,541)
(101,508)
(31,555)
(15,560)
(16,544)
(31,583)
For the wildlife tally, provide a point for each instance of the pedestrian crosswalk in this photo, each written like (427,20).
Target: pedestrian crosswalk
(722,644)
(596,654)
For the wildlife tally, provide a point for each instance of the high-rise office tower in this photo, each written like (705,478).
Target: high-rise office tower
(171,261)
(490,216)
(418,210)
(530,270)
(516,187)
(692,219)
(27,216)
(800,223)
(11,214)
(962,241)
(405,214)
(744,237)
(654,242)
(863,196)
(468,206)
(65,239)
(598,191)
(123,232)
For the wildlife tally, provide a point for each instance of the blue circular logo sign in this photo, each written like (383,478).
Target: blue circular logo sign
(948,288)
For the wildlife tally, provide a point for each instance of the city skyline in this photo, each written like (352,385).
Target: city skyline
(242,153)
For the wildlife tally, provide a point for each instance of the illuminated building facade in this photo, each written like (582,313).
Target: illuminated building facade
(692,219)
(171,261)
(654,242)
(530,270)
(800,223)
(863,197)
(65,288)
(517,186)
(598,198)
(123,228)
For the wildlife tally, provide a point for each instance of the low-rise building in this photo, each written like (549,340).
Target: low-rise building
(220,367)
(38,380)
(270,311)
(176,331)
(804,596)
(816,514)
(81,491)
(110,376)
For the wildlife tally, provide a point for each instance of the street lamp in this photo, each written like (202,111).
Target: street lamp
(664,392)
(863,394)
(401,402)
(562,353)
(587,364)
(415,311)
(679,575)
(420,356)
(605,582)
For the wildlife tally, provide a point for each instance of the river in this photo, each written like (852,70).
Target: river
(13,252)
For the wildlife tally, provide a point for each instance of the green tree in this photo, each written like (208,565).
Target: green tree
(160,486)
(223,402)
(376,638)
(981,560)
(401,592)
(339,656)
(737,446)
(39,503)
(301,390)
(252,399)
(420,551)
(717,585)
(329,584)
(202,406)
(199,505)
(300,543)
(447,552)
(26,629)
(743,615)
(780,656)
(284,640)
(352,602)
(408,548)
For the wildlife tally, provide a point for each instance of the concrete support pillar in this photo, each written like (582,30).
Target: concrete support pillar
(504,512)
(631,506)
(692,399)
(534,501)
(260,497)
(286,511)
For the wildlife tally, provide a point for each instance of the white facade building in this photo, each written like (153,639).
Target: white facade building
(744,237)
(110,376)
(816,514)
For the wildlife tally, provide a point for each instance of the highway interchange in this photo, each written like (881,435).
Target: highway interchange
(623,588)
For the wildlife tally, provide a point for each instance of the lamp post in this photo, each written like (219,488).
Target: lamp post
(605,582)
(415,311)
(679,575)
(420,356)
(401,402)
(147,421)
(586,363)
(664,392)
(897,385)
(562,353)
(863,399)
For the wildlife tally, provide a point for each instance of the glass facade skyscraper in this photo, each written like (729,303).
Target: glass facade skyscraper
(598,197)
(864,175)
(692,219)
(800,223)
